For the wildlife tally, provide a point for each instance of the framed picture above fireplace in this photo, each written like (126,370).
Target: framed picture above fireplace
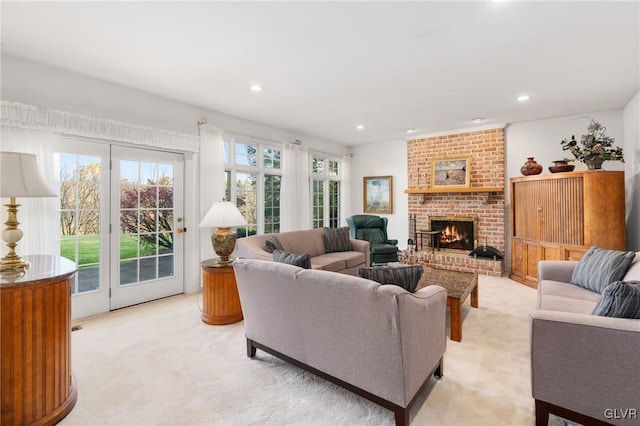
(378,194)
(450,173)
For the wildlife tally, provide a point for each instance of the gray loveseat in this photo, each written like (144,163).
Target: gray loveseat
(378,341)
(311,242)
(584,367)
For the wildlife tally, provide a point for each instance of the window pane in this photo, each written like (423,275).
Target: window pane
(271,203)
(246,154)
(226,151)
(333,168)
(271,158)
(318,203)
(318,165)
(334,204)
(227,189)
(246,201)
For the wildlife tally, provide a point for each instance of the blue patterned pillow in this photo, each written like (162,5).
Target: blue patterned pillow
(301,260)
(620,300)
(336,239)
(406,277)
(598,268)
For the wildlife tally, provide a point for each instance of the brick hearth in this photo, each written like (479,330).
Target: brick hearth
(486,150)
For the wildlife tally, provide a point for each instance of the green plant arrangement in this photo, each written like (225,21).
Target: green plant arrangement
(595,147)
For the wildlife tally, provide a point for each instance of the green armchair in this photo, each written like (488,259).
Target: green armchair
(374,229)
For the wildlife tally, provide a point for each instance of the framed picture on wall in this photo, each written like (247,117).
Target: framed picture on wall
(451,172)
(378,194)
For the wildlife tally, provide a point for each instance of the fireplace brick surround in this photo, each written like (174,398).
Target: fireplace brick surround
(486,149)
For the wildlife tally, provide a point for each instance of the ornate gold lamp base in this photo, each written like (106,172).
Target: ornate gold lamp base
(224,242)
(11,235)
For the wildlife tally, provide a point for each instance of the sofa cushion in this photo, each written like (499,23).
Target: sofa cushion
(327,262)
(566,304)
(272,244)
(383,248)
(301,260)
(572,291)
(336,239)
(406,277)
(620,300)
(598,268)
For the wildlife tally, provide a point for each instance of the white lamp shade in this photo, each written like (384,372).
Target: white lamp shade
(21,176)
(223,214)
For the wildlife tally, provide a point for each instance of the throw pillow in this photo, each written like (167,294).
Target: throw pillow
(620,300)
(406,277)
(598,268)
(301,260)
(336,239)
(272,244)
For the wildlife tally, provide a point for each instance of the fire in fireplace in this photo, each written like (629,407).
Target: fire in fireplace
(456,233)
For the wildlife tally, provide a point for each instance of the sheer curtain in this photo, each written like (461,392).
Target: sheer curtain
(38,217)
(295,198)
(212,177)
(345,189)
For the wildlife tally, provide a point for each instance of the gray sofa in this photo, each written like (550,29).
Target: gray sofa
(311,242)
(378,341)
(584,367)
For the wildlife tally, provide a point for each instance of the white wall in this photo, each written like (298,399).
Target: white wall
(631,114)
(383,159)
(33,83)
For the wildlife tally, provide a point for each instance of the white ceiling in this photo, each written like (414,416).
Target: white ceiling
(327,67)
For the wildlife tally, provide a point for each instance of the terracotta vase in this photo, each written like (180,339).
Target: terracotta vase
(530,167)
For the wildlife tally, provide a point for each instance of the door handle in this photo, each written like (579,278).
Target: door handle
(181,230)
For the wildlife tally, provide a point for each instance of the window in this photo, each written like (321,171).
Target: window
(325,192)
(80,178)
(253,180)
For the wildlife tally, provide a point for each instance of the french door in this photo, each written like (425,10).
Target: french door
(146,244)
(120,217)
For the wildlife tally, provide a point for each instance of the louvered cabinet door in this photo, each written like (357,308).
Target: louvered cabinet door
(559,216)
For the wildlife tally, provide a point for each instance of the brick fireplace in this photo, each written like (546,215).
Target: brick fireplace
(486,150)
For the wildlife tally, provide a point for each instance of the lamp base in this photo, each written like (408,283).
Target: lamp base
(224,242)
(11,235)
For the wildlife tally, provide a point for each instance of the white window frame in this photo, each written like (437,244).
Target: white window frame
(325,177)
(232,169)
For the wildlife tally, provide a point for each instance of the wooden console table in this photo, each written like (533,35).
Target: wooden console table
(221,302)
(36,383)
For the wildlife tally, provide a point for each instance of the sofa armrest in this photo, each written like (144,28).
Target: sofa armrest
(423,334)
(392,242)
(585,363)
(249,249)
(556,270)
(362,246)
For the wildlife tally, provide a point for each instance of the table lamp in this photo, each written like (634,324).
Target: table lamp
(20,177)
(223,215)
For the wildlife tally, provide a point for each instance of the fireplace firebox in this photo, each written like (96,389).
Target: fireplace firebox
(456,233)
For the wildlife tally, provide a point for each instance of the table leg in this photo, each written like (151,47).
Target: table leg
(474,296)
(456,320)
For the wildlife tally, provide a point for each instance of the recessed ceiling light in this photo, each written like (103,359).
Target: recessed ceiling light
(359,127)
(256,88)
(410,130)
(478,120)
(523,98)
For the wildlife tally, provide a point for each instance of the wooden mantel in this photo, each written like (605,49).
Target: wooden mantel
(448,190)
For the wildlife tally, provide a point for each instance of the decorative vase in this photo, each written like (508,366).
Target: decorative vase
(531,167)
(560,166)
(595,164)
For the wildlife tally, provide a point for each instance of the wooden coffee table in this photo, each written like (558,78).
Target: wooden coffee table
(458,285)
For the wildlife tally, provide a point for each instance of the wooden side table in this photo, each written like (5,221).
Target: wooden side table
(37,386)
(221,301)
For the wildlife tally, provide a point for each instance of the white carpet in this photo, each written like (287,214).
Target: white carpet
(158,364)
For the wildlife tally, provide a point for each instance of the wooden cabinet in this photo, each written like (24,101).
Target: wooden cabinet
(221,301)
(37,386)
(559,216)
